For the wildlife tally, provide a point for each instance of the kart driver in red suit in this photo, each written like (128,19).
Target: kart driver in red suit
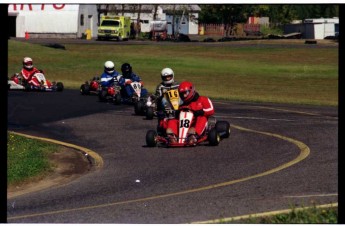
(202,108)
(28,72)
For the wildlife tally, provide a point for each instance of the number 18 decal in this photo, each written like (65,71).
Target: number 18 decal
(184,123)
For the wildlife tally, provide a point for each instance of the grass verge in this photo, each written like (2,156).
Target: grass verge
(304,215)
(27,158)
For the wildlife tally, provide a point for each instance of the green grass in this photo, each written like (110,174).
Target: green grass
(245,73)
(27,158)
(304,215)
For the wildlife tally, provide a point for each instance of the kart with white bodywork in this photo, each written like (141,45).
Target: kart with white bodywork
(213,133)
(17,82)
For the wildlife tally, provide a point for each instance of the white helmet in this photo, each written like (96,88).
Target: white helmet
(27,63)
(167,76)
(109,67)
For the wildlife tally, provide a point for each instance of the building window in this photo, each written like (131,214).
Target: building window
(81,19)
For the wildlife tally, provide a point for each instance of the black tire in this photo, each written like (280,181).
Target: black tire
(151,138)
(27,87)
(84,89)
(149,113)
(138,108)
(59,87)
(102,96)
(213,137)
(223,128)
(117,99)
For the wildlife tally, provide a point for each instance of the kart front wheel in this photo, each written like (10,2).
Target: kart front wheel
(213,137)
(102,96)
(149,113)
(151,140)
(138,108)
(117,99)
(84,89)
(223,128)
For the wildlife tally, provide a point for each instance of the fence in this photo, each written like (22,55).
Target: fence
(237,30)
(211,29)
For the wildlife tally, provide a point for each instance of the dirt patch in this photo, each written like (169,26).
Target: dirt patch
(68,163)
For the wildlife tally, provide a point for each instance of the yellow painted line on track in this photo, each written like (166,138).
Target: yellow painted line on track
(98,159)
(293,111)
(304,152)
(265,214)
(286,110)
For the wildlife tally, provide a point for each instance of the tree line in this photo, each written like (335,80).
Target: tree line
(278,14)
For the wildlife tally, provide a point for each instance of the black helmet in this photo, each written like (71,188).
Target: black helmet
(126,69)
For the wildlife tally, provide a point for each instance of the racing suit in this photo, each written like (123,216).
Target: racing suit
(161,103)
(127,90)
(30,78)
(108,79)
(202,108)
(27,74)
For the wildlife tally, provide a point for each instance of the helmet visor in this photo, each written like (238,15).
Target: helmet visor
(28,63)
(109,69)
(184,94)
(167,77)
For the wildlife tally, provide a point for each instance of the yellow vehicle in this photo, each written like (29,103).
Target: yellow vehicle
(114,27)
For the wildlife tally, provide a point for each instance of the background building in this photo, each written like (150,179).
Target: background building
(51,20)
(314,28)
(72,20)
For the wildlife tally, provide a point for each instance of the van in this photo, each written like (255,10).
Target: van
(114,27)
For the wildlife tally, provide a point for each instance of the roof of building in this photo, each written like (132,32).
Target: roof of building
(147,7)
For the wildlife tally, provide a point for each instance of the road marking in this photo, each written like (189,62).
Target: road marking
(265,214)
(287,110)
(304,153)
(307,196)
(254,118)
(298,112)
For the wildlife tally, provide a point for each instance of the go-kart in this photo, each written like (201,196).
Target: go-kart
(137,99)
(214,132)
(111,93)
(168,102)
(18,83)
(90,87)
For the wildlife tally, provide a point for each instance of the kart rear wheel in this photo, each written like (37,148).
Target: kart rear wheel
(213,137)
(149,113)
(85,89)
(223,128)
(117,99)
(59,86)
(151,138)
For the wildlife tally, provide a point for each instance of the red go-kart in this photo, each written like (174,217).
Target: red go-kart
(90,87)
(215,131)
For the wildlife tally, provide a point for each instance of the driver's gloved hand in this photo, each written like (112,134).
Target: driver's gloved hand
(199,113)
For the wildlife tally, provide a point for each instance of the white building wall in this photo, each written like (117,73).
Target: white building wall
(45,18)
(329,30)
(193,24)
(318,31)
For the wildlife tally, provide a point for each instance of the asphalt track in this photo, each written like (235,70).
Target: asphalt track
(277,156)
